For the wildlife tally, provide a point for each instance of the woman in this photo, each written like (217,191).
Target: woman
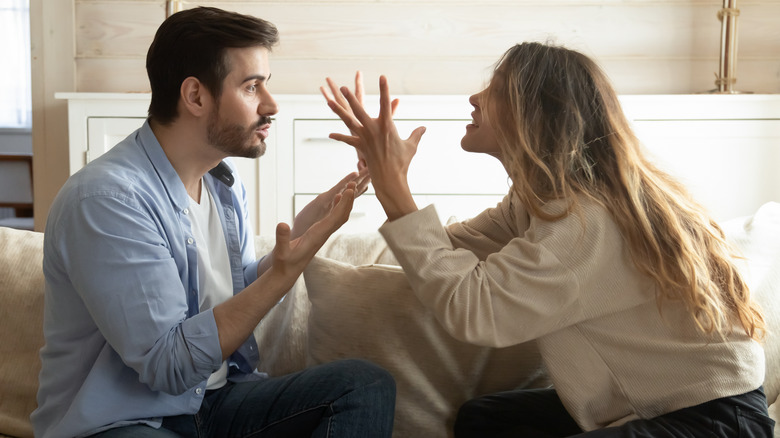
(626,283)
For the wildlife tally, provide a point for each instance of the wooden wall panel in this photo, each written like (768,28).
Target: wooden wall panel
(676,76)
(53,70)
(442,47)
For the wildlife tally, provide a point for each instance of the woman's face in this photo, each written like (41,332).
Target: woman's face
(480,136)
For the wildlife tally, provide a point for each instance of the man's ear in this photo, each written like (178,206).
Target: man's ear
(194,97)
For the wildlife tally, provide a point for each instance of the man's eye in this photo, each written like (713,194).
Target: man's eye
(251,88)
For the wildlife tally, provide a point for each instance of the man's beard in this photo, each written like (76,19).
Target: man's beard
(235,140)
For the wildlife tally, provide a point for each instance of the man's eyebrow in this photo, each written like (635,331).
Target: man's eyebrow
(261,78)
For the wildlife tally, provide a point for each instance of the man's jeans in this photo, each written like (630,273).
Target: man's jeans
(349,398)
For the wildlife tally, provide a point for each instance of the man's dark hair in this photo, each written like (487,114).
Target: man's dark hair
(194,42)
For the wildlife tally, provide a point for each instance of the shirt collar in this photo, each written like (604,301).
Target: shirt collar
(163,167)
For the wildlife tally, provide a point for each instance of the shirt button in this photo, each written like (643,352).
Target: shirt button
(198,391)
(186,211)
(190,241)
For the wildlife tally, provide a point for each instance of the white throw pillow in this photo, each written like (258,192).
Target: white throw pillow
(370,312)
(757,239)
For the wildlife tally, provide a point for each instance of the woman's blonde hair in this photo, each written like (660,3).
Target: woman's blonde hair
(563,135)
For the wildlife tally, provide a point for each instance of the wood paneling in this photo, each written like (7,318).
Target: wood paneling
(630,76)
(53,70)
(443,47)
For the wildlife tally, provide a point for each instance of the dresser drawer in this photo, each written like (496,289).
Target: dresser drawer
(439,167)
(730,166)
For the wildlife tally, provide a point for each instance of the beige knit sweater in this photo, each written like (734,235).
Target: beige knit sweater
(504,277)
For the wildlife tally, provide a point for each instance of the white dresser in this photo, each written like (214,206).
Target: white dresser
(725,148)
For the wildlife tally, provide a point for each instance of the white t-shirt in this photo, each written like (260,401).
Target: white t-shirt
(214,278)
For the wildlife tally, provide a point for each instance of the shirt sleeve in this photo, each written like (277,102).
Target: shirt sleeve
(547,277)
(119,260)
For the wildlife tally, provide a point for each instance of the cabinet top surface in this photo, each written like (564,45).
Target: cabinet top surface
(637,107)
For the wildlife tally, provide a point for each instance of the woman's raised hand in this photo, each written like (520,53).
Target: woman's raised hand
(334,96)
(387,156)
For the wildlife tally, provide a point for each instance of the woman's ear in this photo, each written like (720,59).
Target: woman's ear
(194,97)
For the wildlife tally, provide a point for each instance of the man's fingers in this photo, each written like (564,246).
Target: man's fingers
(346,180)
(344,206)
(338,215)
(362,185)
(282,249)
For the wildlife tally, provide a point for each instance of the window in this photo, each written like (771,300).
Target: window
(15,93)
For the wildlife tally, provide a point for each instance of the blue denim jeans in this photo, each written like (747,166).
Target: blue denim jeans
(348,398)
(539,413)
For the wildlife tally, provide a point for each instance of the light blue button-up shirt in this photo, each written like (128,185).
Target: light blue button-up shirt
(125,341)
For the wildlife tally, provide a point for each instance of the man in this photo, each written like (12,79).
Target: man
(152,289)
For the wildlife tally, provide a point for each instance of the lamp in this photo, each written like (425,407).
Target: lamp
(726,77)
(172,7)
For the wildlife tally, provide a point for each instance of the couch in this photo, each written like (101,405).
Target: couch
(354,301)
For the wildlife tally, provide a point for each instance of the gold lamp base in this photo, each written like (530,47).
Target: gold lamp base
(726,77)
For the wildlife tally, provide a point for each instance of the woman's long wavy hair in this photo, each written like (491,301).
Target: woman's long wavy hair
(563,135)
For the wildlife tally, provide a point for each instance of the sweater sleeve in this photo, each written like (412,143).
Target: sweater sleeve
(489,231)
(548,276)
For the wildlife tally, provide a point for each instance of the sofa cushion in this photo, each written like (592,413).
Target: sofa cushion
(21,322)
(282,334)
(370,312)
(757,240)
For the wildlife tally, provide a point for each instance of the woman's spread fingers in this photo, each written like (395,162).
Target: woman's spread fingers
(348,139)
(359,86)
(394,105)
(384,98)
(345,116)
(357,107)
(417,134)
(334,88)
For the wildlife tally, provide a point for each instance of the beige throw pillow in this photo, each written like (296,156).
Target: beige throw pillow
(370,312)
(21,322)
